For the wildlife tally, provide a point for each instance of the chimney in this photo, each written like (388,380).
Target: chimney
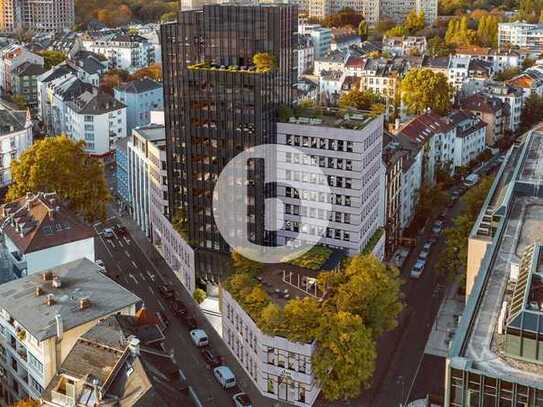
(60,326)
(134,345)
(47,276)
(56,283)
(84,303)
(38,291)
(50,299)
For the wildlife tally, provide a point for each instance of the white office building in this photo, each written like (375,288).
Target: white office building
(521,35)
(348,151)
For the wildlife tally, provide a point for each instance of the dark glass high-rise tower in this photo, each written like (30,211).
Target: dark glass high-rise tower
(218,104)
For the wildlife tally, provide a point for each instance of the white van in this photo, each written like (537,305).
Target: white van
(199,337)
(224,376)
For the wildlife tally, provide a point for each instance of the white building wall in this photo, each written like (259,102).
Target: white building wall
(11,147)
(55,256)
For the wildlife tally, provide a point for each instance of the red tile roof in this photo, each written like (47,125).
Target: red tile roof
(422,127)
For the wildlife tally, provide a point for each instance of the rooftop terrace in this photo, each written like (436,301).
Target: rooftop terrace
(332,117)
(518,203)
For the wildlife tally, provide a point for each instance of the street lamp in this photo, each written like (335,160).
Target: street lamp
(401,382)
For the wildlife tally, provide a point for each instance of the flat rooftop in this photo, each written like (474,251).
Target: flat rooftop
(333,117)
(79,279)
(477,345)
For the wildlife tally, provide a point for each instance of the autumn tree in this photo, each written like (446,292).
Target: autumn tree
(414,21)
(345,17)
(113,78)
(532,112)
(344,360)
(363,30)
(169,16)
(459,34)
(397,31)
(422,89)
(52,58)
(437,47)
(20,101)
(60,164)
(529,10)
(241,264)
(26,403)
(264,61)
(358,99)
(487,31)
(153,71)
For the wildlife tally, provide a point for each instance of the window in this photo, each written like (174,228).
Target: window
(301,394)
(270,386)
(89,118)
(89,127)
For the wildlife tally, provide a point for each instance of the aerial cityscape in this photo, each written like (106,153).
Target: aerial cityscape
(271,203)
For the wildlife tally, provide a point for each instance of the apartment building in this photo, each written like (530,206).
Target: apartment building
(96,118)
(15,138)
(469,141)
(140,97)
(513,97)
(494,356)
(398,10)
(39,232)
(107,361)
(492,111)
(11,57)
(347,149)
(499,59)
(468,74)
(521,35)
(406,45)
(279,368)
(528,83)
(322,40)
(122,49)
(43,315)
(37,15)
(25,82)
(322,8)
(306,54)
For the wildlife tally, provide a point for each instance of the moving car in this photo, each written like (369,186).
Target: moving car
(121,230)
(427,245)
(224,376)
(437,227)
(423,255)
(212,361)
(242,400)
(418,268)
(108,233)
(199,337)
(471,180)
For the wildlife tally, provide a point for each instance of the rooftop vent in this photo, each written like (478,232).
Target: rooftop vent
(57,283)
(50,299)
(84,303)
(47,276)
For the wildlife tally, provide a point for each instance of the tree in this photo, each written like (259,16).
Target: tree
(59,164)
(180,223)
(414,21)
(52,58)
(506,74)
(344,360)
(459,34)
(422,89)
(363,30)
(302,316)
(113,78)
(437,47)
(242,264)
(527,63)
(397,31)
(169,16)
(20,101)
(26,403)
(153,71)
(345,17)
(264,61)
(487,31)
(532,112)
(199,295)
(357,99)
(529,10)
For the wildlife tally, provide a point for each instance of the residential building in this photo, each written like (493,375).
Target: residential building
(500,59)
(397,10)
(347,149)
(11,57)
(343,38)
(322,40)
(37,16)
(528,84)
(106,363)
(469,140)
(280,369)
(121,174)
(494,358)
(465,68)
(510,95)
(146,148)
(393,160)
(411,179)
(406,45)
(521,35)
(330,61)
(221,120)
(96,118)
(306,54)
(436,64)
(15,139)
(122,49)
(25,82)
(492,111)
(43,315)
(330,83)
(323,8)
(435,136)
(39,232)
(140,97)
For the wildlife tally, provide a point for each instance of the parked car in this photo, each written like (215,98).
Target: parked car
(224,376)
(212,361)
(178,308)
(164,322)
(418,268)
(242,400)
(437,227)
(427,245)
(189,320)
(121,230)
(471,180)
(166,291)
(108,233)
(199,337)
(423,255)
(100,263)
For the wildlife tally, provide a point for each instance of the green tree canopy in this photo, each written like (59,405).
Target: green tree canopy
(422,89)
(345,17)
(459,34)
(59,164)
(397,31)
(52,58)
(363,30)
(487,31)
(414,21)
(264,61)
(437,47)
(358,99)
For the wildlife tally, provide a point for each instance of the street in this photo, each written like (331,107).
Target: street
(127,264)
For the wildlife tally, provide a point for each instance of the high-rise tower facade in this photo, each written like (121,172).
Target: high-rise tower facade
(218,104)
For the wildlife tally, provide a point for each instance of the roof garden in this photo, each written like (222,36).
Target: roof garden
(208,66)
(349,119)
